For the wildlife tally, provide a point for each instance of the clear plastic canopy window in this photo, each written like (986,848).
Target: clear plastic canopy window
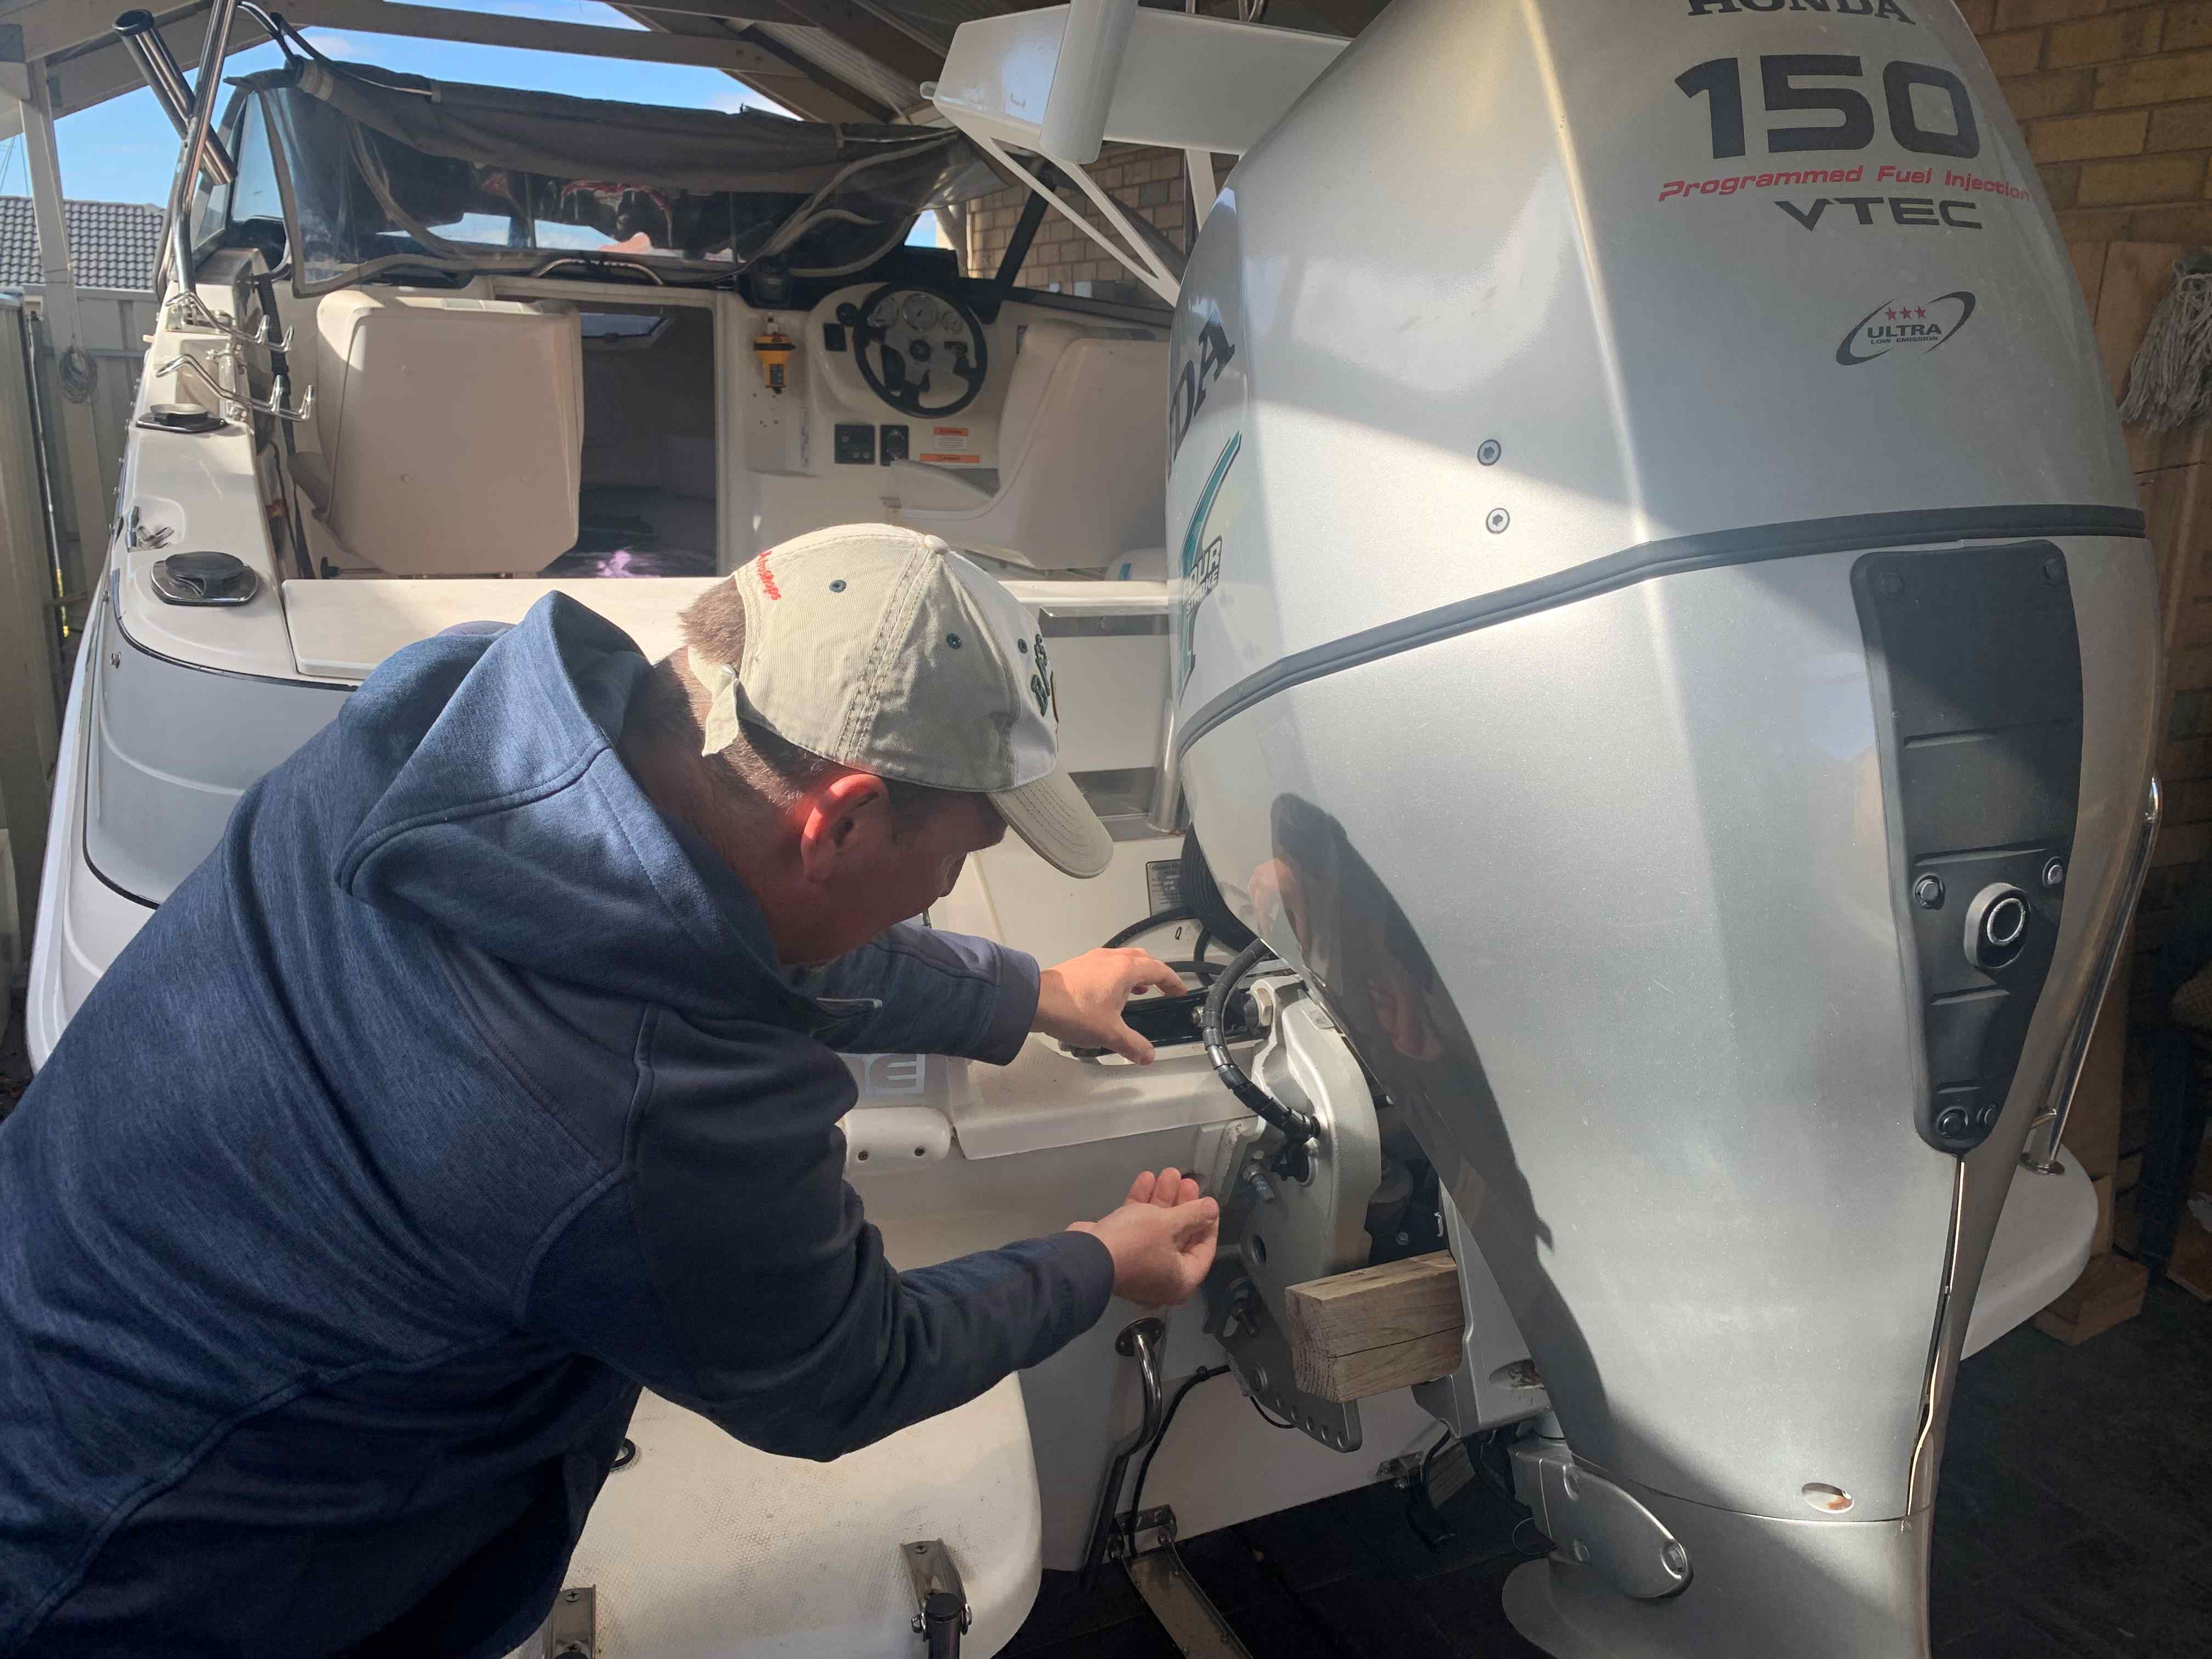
(376,170)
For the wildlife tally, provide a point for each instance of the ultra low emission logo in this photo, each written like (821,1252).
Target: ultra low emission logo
(1894,324)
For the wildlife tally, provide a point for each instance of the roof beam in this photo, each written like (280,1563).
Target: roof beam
(730,11)
(95,69)
(70,34)
(950,16)
(52,29)
(866,105)
(796,83)
(90,66)
(582,40)
(893,48)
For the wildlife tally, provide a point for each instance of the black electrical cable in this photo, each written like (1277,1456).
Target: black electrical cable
(1139,929)
(1428,1458)
(1204,1374)
(1272,1422)
(1299,1129)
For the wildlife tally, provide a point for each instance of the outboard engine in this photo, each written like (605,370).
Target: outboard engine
(1667,649)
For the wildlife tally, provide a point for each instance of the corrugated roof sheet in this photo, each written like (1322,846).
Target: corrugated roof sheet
(847,63)
(111,244)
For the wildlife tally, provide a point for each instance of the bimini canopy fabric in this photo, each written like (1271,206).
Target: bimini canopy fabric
(384,168)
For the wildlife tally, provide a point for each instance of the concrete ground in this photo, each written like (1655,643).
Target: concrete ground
(2074,1518)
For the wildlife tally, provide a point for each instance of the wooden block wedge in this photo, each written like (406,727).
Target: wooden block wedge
(2109,1293)
(1375,1329)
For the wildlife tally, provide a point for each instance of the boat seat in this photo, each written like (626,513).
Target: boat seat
(450,432)
(1082,455)
(702,1548)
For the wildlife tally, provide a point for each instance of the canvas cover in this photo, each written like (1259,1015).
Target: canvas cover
(382,167)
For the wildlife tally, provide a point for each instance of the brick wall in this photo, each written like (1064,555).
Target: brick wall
(1149,181)
(2123,283)
(2117,102)
(2116,99)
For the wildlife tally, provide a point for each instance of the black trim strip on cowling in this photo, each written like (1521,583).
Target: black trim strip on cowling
(1860,533)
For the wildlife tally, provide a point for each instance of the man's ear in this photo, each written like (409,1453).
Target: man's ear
(839,821)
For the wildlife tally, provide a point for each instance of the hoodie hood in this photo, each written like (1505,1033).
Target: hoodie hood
(499,812)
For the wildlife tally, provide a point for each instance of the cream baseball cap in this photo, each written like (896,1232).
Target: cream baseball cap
(883,649)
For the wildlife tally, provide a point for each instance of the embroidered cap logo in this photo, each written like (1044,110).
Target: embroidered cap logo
(1041,682)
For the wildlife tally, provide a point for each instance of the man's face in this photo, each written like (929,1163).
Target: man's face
(881,872)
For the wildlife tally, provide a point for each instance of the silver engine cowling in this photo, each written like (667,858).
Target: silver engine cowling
(1666,650)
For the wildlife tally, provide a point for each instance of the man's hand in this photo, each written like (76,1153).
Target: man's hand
(1080,1001)
(1162,1239)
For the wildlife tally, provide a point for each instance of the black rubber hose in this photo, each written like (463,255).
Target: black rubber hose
(1298,1128)
(1139,929)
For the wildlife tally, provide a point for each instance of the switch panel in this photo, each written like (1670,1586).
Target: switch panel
(855,444)
(1976,675)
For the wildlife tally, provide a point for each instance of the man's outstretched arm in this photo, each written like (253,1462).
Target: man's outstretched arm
(919,990)
(731,1269)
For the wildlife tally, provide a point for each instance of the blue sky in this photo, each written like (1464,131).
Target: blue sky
(125,150)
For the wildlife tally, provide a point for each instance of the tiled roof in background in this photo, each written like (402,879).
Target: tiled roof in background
(111,244)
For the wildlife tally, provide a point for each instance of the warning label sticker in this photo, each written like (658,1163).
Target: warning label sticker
(1163,885)
(951,446)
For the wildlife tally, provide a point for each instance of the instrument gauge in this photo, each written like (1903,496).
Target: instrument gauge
(919,311)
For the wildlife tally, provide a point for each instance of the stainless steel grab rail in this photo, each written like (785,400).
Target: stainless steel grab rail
(2060,1101)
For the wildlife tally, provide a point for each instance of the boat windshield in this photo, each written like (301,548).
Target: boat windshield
(374,170)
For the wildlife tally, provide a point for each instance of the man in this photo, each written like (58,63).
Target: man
(484,1072)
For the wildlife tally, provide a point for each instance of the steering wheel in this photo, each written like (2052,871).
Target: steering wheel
(909,340)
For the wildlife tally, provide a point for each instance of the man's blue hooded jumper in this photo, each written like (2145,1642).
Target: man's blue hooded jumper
(457,1093)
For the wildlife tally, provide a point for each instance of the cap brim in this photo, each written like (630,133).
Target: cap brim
(1054,818)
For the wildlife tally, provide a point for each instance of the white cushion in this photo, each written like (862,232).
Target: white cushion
(452,431)
(1082,455)
(704,1548)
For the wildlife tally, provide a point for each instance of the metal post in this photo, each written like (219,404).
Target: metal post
(195,149)
(90,506)
(1205,189)
(158,64)
(29,662)
(2075,1054)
